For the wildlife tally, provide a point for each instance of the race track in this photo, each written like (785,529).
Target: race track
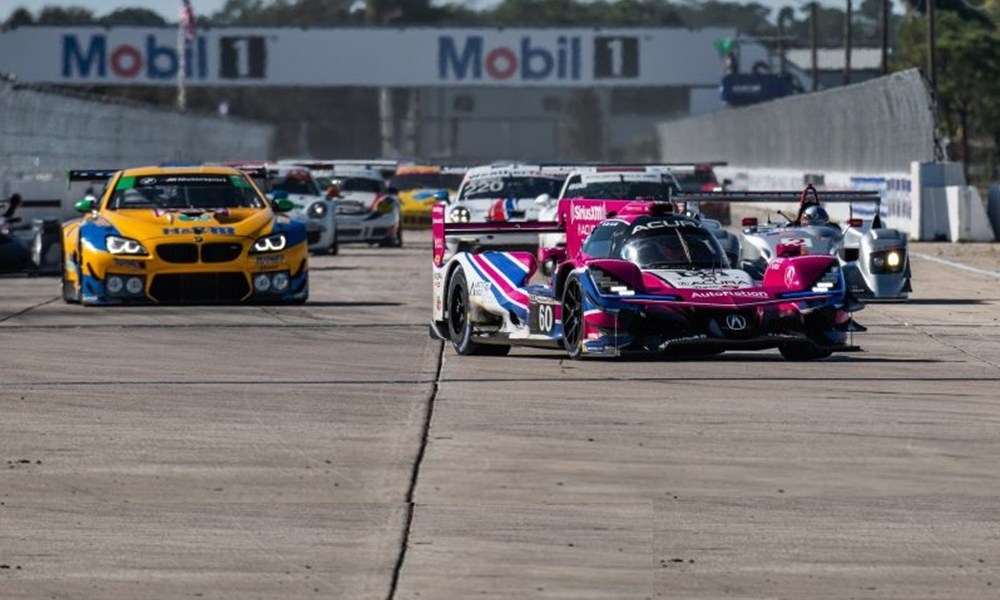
(333,451)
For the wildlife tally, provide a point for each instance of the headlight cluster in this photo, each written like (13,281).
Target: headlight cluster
(316,210)
(460,214)
(271,283)
(271,243)
(829,281)
(120,245)
(609,284)
(890,260)
(124,286)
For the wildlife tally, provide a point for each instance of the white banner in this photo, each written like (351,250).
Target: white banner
(418,57)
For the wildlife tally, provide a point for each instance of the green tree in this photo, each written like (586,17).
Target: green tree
(71,15)
(140,17)
(968,69)
(20,16)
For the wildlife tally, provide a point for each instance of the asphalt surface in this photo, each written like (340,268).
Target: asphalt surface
(333,451)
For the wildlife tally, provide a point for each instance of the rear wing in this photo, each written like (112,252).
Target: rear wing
(440,231)
(809,196)
(253,172)
(91,174)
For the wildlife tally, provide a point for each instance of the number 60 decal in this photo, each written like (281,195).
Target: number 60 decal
(546,318)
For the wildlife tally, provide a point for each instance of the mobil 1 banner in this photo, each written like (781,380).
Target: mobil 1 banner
(416,57)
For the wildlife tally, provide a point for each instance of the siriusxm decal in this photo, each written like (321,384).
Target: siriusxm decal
(91,58)
(471,60)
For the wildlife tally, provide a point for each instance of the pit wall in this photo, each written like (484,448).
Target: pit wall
(43,134)
(930,202)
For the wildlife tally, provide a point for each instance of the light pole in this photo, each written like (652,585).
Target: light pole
(813,40)
(932,47)
(885,36)
(847,42)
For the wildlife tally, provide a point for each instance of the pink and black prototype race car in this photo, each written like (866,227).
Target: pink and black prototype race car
(634,276)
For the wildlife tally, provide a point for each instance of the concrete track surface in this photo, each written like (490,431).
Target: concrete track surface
(332,451)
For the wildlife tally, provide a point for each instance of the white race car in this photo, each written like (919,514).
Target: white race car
(507,192)
(312,207)
(367,210)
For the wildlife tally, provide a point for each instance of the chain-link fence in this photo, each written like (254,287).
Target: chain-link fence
(874,127)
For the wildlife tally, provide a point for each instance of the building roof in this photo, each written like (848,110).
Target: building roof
(832,59)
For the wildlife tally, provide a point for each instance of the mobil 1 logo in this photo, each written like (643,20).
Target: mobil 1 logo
(616,57)
(242,57)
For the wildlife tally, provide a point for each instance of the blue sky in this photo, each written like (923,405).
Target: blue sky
(170,8)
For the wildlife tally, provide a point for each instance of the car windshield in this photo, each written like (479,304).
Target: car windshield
(621,190)
(298,185)
(419,181)
(488,188)
(185,191)
(668,244)
(358,184)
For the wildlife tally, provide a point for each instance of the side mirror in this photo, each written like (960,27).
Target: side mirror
(283,204)
(749,222)
(441,195)
(543,200)
(855,222)
(333,192)
(555,254)
(84,206)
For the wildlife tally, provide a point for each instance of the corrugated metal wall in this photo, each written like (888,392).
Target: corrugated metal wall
(877,126)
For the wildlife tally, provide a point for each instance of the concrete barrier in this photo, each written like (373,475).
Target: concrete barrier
(44,133)
(967,217)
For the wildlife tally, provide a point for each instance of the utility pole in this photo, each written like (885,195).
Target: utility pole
(847,43)
(813,40)
(885,37)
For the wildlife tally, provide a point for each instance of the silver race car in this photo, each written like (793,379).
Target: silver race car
(874,258)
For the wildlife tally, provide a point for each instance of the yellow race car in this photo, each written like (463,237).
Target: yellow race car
(182,235)
(421,186)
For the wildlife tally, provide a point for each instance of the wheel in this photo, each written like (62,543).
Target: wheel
(803,351)
(459,325)
(572,318)
(334,248)
(396,241)
(69,294)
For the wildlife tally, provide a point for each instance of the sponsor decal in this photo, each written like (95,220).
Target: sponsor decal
(467,58)
(659,225)
(130,263)
(594,212)
(269,259)
(789,276)
(199,230)
(479,288)
(729,294)
(90,57)
(736,322)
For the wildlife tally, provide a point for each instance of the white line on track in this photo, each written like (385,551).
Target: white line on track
(957,265)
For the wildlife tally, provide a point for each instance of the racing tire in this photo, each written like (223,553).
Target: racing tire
(69,294)
(334,248)
(803,351)
(572,318)
(395,241)
(459,324)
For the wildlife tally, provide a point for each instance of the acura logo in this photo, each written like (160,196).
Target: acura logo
(736,322)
